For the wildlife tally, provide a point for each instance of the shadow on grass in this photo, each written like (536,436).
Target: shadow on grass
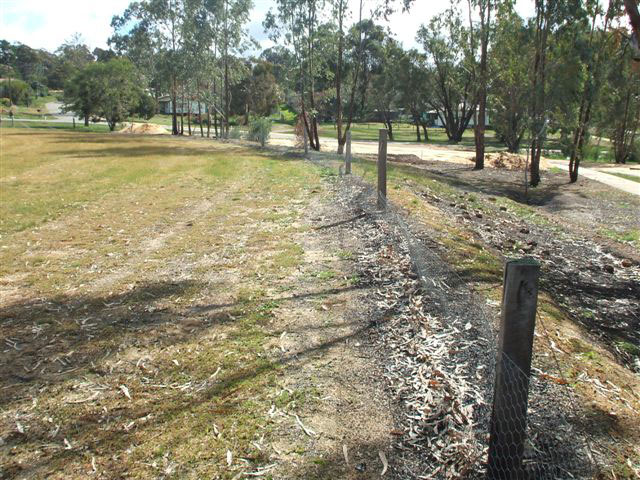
(86,326)
(130,319)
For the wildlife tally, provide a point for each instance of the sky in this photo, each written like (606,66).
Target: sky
(48,23)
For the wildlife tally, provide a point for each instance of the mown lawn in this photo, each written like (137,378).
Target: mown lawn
(135,275)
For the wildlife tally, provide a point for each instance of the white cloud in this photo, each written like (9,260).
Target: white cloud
(47,23)
(403,25)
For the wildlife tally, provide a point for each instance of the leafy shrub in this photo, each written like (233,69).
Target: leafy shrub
(260,130)
(18,91)
(147,106)
(5,102)
(235,133)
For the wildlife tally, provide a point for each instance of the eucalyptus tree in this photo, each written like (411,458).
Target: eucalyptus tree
(366,40)
(385,94)
(538,121)
(72,55)
(198,34)
(112,89)
(509,71)
(453,95)
(81,95)
(296,23)
(233,40)
(340,9)
(354,50)
(617,114)
(412,84)
(593,52)
(161,22)
(136,42)
(485,9)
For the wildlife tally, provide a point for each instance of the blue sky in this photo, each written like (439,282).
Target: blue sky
(48,23)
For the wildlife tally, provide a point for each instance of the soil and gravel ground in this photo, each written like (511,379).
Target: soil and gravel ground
(176,309)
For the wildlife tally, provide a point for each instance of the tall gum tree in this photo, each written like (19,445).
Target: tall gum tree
(296,23)
(162,21)
(509,72)
(452,75)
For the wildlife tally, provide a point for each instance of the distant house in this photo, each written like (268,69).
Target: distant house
(165,105)
(433,119)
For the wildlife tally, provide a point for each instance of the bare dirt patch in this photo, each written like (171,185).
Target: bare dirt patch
(144,129)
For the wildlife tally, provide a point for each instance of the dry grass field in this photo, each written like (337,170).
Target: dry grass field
(180,308)
(136,281)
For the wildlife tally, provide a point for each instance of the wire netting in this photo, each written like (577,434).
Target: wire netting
(534,433)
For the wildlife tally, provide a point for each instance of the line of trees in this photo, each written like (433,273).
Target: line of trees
(191,49)
(28,73)
(567,72)
(111,90)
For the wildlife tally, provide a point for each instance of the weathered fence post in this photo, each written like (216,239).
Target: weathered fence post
(513,367)
(306,141)
(347,157)
(382,169)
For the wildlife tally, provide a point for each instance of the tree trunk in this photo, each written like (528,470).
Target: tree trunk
(389,124)
(182,113)
(174,101)
(341,139)
(86,120)
(539,80)
(200,119)
(189,116)
(482,106)
(227,97)
(354,86)
(418,138)
(424,131)
(208,121)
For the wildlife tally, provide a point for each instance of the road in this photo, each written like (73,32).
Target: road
(434,152)
(55,109)
(599,174)
(427,152)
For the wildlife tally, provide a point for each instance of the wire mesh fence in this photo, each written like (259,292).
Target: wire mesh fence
(532,434)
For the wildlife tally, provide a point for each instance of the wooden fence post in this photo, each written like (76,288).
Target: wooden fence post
(347,157)
(382,169)
(513,368)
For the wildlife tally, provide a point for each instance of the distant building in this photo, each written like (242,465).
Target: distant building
(165,105)
(433,120)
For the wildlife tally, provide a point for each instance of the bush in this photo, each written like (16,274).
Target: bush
(235,133)
(260,130)
(17,91)
(147,107)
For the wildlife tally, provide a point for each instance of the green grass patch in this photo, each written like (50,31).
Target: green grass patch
(631,236)
(633,178)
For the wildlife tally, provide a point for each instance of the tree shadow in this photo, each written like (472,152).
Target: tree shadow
(53,339)
(101,433)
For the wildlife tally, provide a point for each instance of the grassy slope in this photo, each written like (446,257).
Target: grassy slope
(141,262)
